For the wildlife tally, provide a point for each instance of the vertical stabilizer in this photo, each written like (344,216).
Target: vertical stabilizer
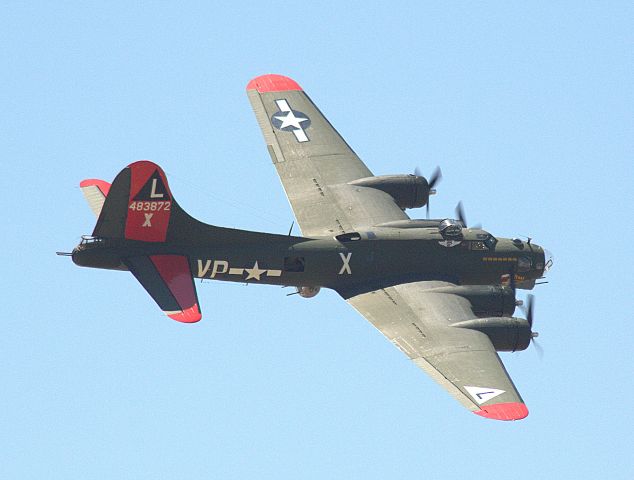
(138,205)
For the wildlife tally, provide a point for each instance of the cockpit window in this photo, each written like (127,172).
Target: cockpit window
(491,242)
(478,245)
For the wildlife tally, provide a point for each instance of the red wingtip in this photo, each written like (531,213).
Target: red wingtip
(189,315)
(100,184)
(504,411)
(273,83)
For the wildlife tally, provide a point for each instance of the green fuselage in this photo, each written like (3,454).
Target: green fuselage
(362,262)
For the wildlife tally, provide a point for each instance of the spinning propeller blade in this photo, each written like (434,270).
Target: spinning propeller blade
(528,311)
(460,214)
(462,217)
(436,177)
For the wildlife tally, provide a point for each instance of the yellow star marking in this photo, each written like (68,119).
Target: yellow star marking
(254,272)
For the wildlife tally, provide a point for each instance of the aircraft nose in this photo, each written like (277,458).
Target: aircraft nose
(548,260)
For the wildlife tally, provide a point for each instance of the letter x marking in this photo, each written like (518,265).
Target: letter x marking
(148,217)
(345,268)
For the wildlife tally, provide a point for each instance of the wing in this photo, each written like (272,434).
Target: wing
(315,163)
(464,362)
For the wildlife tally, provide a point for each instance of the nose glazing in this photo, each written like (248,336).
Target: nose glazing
(548,260)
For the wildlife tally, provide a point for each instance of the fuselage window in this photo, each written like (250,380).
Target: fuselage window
(348,237)
(523,264)
(294,264)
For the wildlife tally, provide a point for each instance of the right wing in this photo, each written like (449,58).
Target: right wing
(418,321)
(315,163)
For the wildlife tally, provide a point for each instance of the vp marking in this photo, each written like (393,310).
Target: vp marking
(290,120)
(345,268)
(210,269)
(148,217)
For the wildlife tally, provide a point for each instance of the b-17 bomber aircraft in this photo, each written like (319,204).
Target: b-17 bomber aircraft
(442,292)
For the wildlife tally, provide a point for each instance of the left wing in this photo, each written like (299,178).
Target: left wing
(418,321)
(314,162)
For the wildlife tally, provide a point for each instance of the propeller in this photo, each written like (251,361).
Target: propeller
(528,311)
(462,217)
(436,177)
(460,214)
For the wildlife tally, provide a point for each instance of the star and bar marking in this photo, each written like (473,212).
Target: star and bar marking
(290,120)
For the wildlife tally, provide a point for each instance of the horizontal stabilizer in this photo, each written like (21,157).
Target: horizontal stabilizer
(168,279)
(95,191)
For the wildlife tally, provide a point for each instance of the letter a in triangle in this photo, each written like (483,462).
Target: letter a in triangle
(482,395)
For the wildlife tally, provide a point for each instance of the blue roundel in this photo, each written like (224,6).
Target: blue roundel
(290,120)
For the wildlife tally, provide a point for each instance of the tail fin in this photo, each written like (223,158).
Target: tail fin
(138,205)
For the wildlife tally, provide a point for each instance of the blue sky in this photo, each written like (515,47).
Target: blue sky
(526,106)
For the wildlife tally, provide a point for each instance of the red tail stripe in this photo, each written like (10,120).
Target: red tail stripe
(143,223)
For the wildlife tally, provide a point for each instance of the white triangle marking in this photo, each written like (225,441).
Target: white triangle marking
(482,395)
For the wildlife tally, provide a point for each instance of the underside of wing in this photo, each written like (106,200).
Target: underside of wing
(168,280)
(314,162)
(418,321)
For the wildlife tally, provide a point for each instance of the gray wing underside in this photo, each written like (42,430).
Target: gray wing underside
(315,172)
(417,321)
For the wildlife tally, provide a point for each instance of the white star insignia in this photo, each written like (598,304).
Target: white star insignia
(254,272)
(290,120)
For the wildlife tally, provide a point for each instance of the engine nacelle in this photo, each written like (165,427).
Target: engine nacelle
(486,300)
(408,191)
(507,334)
(308,292)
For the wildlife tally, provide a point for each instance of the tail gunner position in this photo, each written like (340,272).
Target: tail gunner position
(443,293)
